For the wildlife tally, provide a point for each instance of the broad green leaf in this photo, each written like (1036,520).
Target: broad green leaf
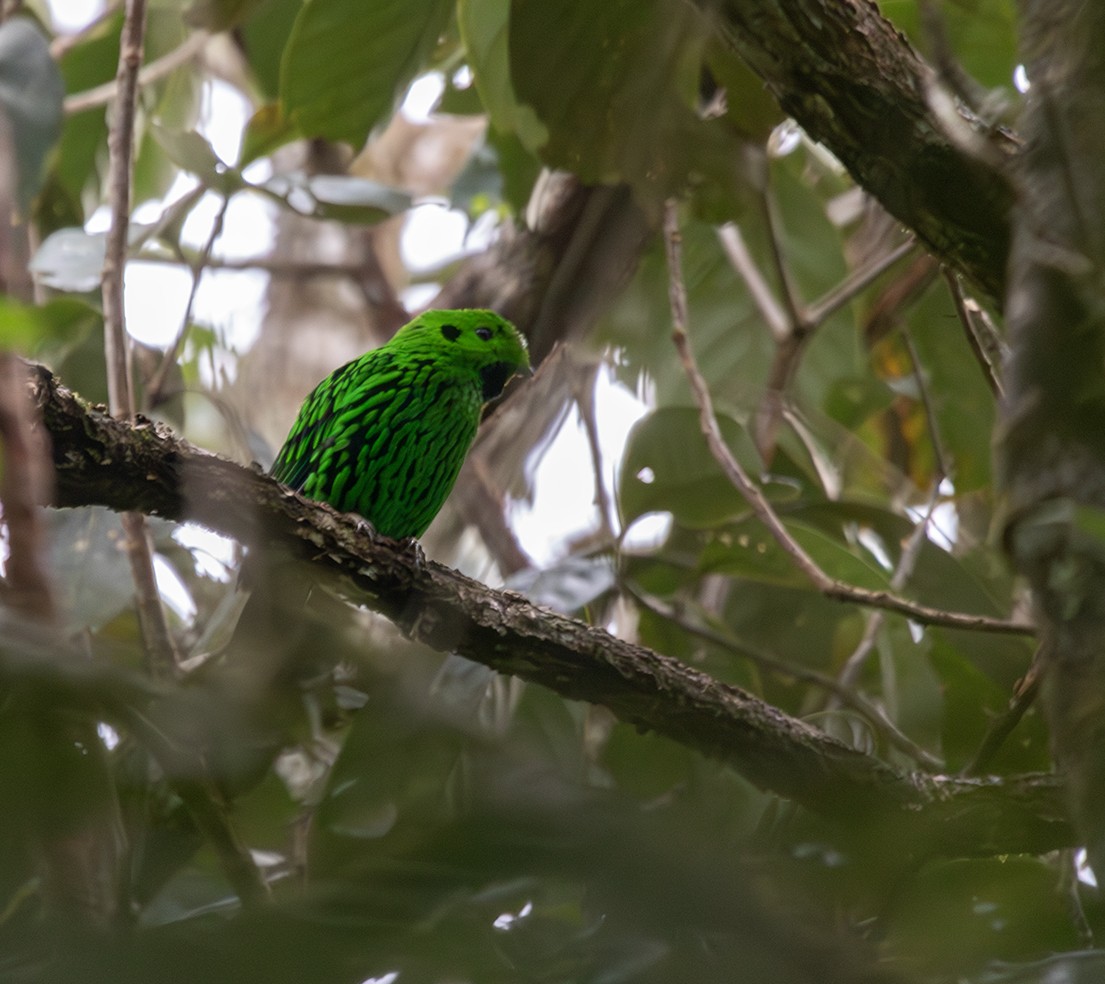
(732,344)
(264,36)
(485,29)
(347,62)
(31,92)
(747,550)
(668,467)
(616,85)
(266,130)
(982,35)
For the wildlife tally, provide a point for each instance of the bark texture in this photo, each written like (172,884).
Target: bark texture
(1053,453)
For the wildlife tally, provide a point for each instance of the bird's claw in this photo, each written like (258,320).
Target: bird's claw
(413,548)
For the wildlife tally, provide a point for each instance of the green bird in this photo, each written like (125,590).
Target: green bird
(386,434)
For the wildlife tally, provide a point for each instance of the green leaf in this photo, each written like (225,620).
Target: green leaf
(616,86)
(964,405)
(264,37)
(266,130)
(981,911)
(485,29)
(220,15)
(191,152)
(668,467)
(45,329)
(31,93)
(747,550)
(347,62)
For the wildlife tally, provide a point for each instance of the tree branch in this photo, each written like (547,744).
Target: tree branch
(143,466)
(854,84)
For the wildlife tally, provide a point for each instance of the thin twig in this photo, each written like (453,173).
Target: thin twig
(168,63)
(907,562)
(829,586)
(64,43)
(874,715)
(585,401)
(168,360)
(732,242)
(943,465)
(988,363)
(1023,696)
(792,302)
(160,650)
(161,656)
(276,268)
(855,283)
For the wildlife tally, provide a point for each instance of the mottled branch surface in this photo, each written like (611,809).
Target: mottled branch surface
(145,467)
(856,85)
(1053,448)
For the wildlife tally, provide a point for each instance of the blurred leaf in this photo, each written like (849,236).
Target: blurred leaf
(70,260)
(733,347)
(31,92)
(980,910)
(173,100)
(337,196)
(346,62)
(1075,967)
(266,131)
(518,169)
(191,152)
(964,405)
(46,331)
(567,586)
(90,566)
(747,550)
(220,15)
(622,109)
(982,35)
(484,26)
(264,36)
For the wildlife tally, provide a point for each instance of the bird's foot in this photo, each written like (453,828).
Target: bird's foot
(413,549)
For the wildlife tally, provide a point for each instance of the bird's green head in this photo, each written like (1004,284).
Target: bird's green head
(471,339)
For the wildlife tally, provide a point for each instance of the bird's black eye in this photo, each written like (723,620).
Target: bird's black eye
(451,332)
(484,333)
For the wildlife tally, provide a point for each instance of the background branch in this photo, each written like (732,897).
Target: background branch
(852,81)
